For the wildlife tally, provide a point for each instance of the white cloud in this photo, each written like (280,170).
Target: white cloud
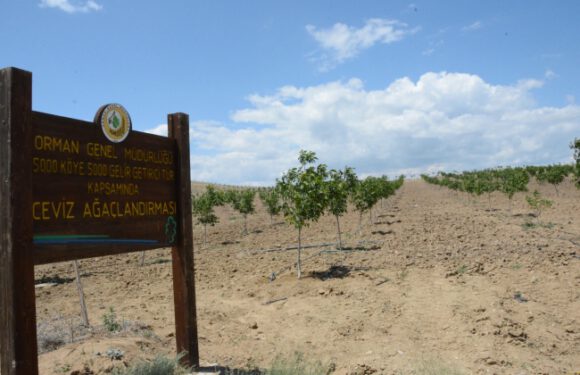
(550,74)
(474,26)
(158,130)
(71,6)
(451,121)
(342,42)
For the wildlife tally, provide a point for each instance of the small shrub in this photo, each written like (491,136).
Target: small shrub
(538,203)
(62,369)
(49,341)
(115,354)
(297,366)
(110,321)
(158,366)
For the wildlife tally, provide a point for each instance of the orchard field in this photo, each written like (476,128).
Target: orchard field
(434,280)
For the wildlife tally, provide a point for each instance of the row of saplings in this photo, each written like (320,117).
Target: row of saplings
(303,194)
(510,180)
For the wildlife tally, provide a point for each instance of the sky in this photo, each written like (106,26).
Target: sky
(385,87)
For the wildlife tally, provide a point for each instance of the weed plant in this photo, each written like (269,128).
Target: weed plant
(158,366)
(110,321)
(296,366)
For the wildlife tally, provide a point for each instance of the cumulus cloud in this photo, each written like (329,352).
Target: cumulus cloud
(342,42)
(70,6)
(441,121)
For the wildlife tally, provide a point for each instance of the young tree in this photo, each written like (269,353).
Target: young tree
(339,187)
(303,195)
(513,180)
(489,183)
(538,203)
(243,202)
(271,200)
(553,174)
(575,146)
(387,188)
(366,194)
(202,208)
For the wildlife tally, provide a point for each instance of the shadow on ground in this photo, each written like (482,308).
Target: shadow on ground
(334,272)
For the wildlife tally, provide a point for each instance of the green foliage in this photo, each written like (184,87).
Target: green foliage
(203,205)
(243,202)
(340,185)
(110,321)
(303,195)
(302,191)
(158,366)
(297,366)
(203,208)
(371,190)
(538,203)
(271,200)
(367,194)
(554,174)
(513,180)
(575,146)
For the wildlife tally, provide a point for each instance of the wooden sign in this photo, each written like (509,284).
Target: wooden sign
(95,197)
(73,189)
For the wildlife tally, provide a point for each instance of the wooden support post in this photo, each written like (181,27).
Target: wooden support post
(18,347)
(84,312)
(182,252)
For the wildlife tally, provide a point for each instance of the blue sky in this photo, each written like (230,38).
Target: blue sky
(386,87)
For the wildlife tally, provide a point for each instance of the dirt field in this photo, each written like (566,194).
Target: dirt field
(436,280)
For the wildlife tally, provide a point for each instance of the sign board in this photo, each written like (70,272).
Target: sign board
(72,189)
(92,196)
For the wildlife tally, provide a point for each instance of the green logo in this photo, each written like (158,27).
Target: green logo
(170,229)
(114,120)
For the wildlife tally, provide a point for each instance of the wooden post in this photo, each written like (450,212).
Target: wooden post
(182,252)
(18,347)
(84,312)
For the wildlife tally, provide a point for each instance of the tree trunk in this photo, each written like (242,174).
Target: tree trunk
(84,313)
(245,224)
(338,229)
(205,235)
(142,261)
(360,221)
(489,200)
(298,265)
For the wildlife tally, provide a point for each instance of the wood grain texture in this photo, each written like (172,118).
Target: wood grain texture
(182,254)
(18,347)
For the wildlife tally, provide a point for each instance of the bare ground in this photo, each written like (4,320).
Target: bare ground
(434,278)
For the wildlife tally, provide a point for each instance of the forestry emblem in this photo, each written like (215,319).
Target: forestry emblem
(115,122)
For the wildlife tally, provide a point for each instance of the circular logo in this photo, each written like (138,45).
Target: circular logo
(115,122)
